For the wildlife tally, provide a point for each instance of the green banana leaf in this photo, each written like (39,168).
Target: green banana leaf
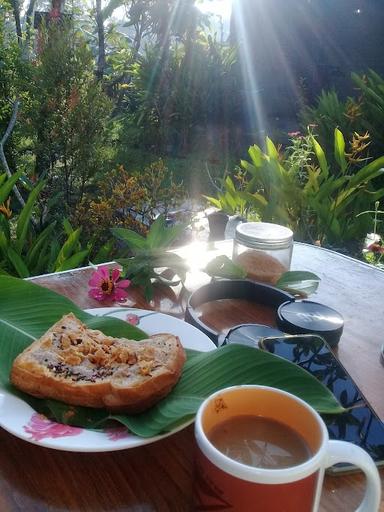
(28,310)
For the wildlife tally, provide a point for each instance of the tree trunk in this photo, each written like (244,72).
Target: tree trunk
(28,22)
(101,38)
(16,14)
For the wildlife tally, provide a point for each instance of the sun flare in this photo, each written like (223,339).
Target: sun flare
(221,8)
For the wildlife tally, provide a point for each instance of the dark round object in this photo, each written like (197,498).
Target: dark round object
(248,334)
(304,316)
(232,289)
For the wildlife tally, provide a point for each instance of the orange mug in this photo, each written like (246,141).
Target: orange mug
(223,483)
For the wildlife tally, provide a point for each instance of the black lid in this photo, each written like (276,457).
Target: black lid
(248,334)
(305,316)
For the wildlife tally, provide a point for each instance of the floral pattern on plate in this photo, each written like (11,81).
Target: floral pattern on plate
(116,433)
(40,427)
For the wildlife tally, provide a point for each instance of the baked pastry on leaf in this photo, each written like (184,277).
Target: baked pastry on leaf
(81,366)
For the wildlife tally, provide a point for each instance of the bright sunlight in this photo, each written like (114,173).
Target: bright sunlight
(221,8)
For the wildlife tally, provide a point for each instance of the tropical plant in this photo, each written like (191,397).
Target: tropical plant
(317,199)
(362,113)
(237,201)
(330,112)
(150,261)
(371,88)
(24,249)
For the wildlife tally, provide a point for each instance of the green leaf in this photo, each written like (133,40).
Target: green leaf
(271,149)
(131,238)
(73,261)
(67,248)
(18,263)
(7,187)
(67,227)
(256,155)
(233,364)
(5,227)
(299,282)
(340,150)
(104,253)
(320,155)
(25,216)
(39,246)
(161,236)
(222,266)
(214,201)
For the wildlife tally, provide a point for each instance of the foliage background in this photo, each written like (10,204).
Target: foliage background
(119,122)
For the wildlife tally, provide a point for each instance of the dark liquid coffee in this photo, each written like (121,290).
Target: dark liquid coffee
(260,442)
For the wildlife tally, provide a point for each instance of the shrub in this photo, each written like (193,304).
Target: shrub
(128,200)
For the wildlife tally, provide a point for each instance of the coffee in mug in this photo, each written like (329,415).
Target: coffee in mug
(263,449)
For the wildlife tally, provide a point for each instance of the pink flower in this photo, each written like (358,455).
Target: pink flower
(40,427)
(132,319)
(105,285)
(294,134)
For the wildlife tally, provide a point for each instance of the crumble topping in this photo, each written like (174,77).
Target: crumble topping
(89,355)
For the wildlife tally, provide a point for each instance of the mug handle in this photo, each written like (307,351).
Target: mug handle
(341,451)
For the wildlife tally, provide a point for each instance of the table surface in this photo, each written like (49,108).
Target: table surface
(158,477)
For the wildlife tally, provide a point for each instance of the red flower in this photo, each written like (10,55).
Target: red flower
(105,285)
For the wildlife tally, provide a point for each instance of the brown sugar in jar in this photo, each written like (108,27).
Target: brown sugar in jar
(263,249)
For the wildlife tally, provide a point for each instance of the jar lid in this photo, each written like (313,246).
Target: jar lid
(304,316)
(263,235)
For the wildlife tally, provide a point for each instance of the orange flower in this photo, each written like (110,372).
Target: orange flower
(5,209)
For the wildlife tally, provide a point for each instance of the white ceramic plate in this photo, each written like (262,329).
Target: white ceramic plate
(20,419)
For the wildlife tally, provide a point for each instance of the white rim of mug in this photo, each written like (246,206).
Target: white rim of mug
(251,473)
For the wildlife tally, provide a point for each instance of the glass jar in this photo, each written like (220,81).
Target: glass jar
(263,249)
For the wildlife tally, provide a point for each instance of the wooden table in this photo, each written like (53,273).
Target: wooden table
(158,477)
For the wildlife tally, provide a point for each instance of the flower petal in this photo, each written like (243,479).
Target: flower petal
(115,274)
(96,280)
(96,293)
(123,283)
(104,271)
(119,294)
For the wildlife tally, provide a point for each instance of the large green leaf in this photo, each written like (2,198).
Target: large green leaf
(233,364)
(28,310)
